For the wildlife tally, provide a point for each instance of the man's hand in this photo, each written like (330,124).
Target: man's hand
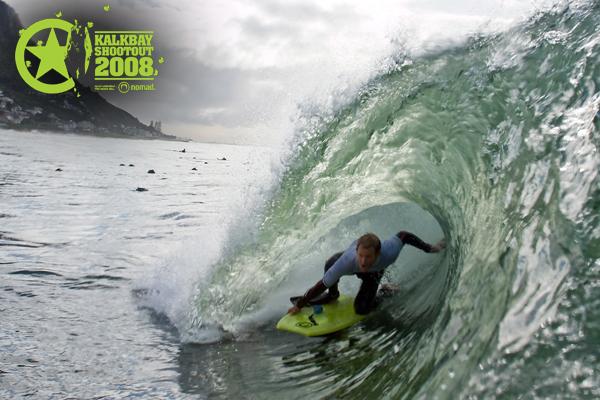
(294,310)
(439,246)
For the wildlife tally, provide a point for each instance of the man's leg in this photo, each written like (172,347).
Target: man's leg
(364,302)
(333,293)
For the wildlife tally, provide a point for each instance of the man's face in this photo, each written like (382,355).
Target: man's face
(366,257)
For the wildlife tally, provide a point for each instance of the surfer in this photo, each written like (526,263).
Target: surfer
(366,258)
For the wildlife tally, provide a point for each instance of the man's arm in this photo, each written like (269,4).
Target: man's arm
(413,240)
(332,275)
(310,294)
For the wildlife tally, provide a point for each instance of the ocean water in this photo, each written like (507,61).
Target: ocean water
(77,247)
(174,292)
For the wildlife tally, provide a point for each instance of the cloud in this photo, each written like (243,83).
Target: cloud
(293,19)
(248,65)
(190,91)
(237,64)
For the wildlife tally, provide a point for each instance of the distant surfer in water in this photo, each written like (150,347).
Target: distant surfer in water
(366,258)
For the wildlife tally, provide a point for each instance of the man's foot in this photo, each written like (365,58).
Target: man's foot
(387,290)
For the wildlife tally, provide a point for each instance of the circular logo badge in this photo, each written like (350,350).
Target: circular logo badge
(51,54)
(123,87)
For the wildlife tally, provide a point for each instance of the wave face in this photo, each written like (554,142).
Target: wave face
(494,145)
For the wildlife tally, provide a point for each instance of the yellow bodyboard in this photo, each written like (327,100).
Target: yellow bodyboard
(335,316)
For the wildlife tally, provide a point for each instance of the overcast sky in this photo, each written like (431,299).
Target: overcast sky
(236,71)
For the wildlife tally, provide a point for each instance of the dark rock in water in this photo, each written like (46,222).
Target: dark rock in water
(141,189)
(194,158)
(151,171)
(58,169)
(121,165)
(131,165)
(194,169)
(205,162)
(222,159)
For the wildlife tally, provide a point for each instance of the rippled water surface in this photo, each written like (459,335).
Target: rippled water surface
(77,244)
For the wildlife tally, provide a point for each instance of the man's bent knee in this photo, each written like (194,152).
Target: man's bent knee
(363,307)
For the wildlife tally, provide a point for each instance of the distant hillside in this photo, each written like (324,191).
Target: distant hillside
(23,108)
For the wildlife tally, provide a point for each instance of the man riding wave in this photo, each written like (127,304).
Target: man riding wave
(366,258)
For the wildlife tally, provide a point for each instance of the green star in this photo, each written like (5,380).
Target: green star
(52,56)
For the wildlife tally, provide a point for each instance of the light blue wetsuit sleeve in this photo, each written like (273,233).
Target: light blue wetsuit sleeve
(345,265)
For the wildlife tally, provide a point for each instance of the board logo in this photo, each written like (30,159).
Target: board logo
(307,324)
(51,54)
